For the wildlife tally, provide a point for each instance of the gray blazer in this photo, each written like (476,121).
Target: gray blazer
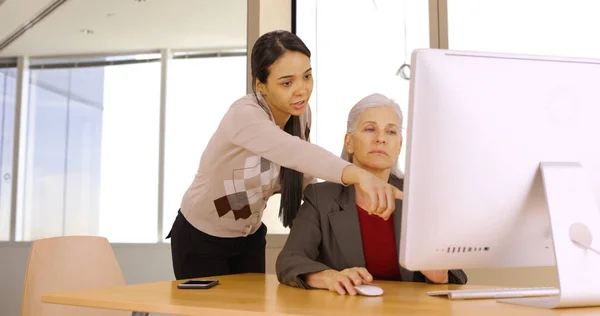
(326,235)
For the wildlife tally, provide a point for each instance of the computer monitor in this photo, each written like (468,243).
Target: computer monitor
(503,167)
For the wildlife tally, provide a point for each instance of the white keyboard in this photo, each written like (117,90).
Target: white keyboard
(496,293)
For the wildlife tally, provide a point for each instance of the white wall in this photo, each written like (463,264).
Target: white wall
(13,263)
(275,15)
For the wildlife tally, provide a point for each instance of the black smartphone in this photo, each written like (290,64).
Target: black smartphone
(197,284)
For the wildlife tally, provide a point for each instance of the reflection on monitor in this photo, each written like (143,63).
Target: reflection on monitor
(503,167)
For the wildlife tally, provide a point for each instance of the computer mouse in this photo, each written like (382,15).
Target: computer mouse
(368,290)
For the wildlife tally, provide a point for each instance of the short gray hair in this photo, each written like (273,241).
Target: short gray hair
(375,100)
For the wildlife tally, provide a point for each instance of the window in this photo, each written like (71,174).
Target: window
(91,162)
(7,120)
(200,91)
(541,27)
(357,56)
(130,132)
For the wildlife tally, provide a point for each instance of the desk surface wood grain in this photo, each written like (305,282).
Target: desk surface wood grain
(258,294)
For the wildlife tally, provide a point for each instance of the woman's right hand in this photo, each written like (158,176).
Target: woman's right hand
(380,195)
(341,282)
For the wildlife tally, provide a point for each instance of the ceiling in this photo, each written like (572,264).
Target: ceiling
(122,26)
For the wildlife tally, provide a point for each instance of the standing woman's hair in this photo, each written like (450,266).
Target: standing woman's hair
(268,49)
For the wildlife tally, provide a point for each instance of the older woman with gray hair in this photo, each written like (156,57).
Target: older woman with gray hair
(334,243)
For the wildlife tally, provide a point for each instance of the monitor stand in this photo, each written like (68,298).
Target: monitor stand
(574,219)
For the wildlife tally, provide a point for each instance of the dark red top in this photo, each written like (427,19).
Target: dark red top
(379,246)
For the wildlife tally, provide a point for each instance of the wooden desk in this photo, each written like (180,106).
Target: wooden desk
(258,294)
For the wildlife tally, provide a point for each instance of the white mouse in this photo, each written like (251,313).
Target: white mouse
(368,290)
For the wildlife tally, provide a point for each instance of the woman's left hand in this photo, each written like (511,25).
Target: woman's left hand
(437,276)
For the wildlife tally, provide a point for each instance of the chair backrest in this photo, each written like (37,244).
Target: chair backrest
(69,263)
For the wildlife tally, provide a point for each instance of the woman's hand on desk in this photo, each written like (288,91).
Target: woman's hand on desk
(341,282)
(437,276)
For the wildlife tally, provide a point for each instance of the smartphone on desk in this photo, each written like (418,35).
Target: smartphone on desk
(197,284)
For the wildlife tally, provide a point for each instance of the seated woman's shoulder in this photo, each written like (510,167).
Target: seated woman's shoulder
(323,188)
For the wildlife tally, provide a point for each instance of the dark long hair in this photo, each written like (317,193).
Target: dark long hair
(268,49)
